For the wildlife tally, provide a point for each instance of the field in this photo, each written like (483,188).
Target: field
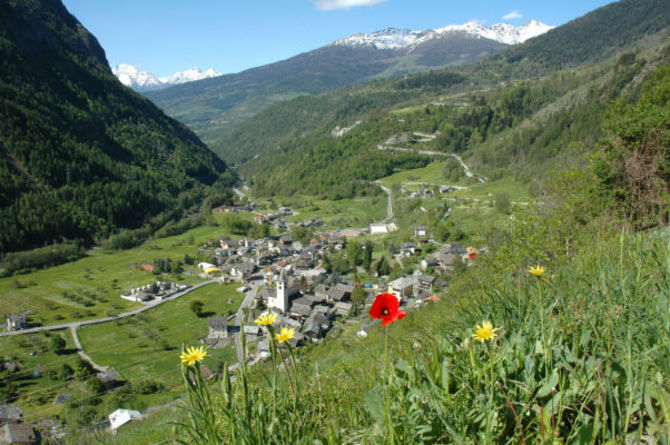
(142,348)
(91,286)
(36,368)
(147,347)
(355,212)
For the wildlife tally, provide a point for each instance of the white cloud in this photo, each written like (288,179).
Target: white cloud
(512,15)
(331,5)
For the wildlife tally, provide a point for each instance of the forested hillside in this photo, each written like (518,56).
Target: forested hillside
(214,107)
(80,154)
(519,110)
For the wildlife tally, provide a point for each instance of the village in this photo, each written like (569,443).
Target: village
(292,279)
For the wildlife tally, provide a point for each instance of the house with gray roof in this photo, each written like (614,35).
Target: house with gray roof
(402,287)
(319,319)
(300,311)
(425,282)
(10,414)
(16,322)
(342,308)
(19,434)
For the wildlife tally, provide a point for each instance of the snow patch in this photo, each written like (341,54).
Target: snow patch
(393,38)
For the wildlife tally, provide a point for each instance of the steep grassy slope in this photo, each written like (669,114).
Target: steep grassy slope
(80,154)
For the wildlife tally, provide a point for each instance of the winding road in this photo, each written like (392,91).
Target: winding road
(77,324)
(466,169)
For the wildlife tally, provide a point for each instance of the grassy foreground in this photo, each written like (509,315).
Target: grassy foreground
(578,355)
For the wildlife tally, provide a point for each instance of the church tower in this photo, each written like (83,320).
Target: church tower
(282,297)
(280,300)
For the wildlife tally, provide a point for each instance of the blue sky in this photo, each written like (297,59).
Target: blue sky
(166,36)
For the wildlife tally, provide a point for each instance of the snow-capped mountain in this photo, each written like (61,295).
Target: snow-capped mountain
(135,79)
(189,76)
(402,38)
(145,81)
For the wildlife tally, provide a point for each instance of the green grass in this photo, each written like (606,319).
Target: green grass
(515,190)
(155,428)
(587,347)
(37,391)
(147,347)
(97,280)
(355,212)
(432,173)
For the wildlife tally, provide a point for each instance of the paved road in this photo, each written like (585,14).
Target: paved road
(239,193)
(389,204)
(239,318)
(77,324)
(466,169)
(82,354)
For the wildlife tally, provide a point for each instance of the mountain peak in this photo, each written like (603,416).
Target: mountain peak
(145,81)
(392,38)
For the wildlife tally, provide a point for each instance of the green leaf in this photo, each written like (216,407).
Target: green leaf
(375,405)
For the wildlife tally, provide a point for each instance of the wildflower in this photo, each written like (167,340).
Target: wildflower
(484,331)
(537,270)
(193,355)
(266,319)
(386,308)
(285,335)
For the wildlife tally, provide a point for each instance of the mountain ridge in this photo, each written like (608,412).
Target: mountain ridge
(393,38)
(145,81)
(80,154)
(212,107)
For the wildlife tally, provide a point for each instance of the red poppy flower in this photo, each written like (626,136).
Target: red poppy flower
(472,256)
(386,308)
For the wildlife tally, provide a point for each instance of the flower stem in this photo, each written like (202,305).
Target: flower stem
(544,341)
(387,383)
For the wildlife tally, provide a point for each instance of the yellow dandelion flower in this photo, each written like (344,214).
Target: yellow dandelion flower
(193,355)
(266,319)
(285,335)
(537,270)
(484,331)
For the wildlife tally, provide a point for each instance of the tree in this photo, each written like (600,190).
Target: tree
(65,372)
(96,386)
(382,267)
(367,255)
(196,307)
(354,253)
(358,296)
(82,369)
(58,344)
(503,203)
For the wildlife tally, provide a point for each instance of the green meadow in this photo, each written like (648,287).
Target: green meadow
(343,213)
(91,286)
(147,347)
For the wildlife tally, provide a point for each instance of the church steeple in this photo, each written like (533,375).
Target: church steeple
(280,301)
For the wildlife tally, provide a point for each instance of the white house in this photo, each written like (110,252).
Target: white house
(205,266)
(122,416)
(382,228)
(378,228)
(402,287)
